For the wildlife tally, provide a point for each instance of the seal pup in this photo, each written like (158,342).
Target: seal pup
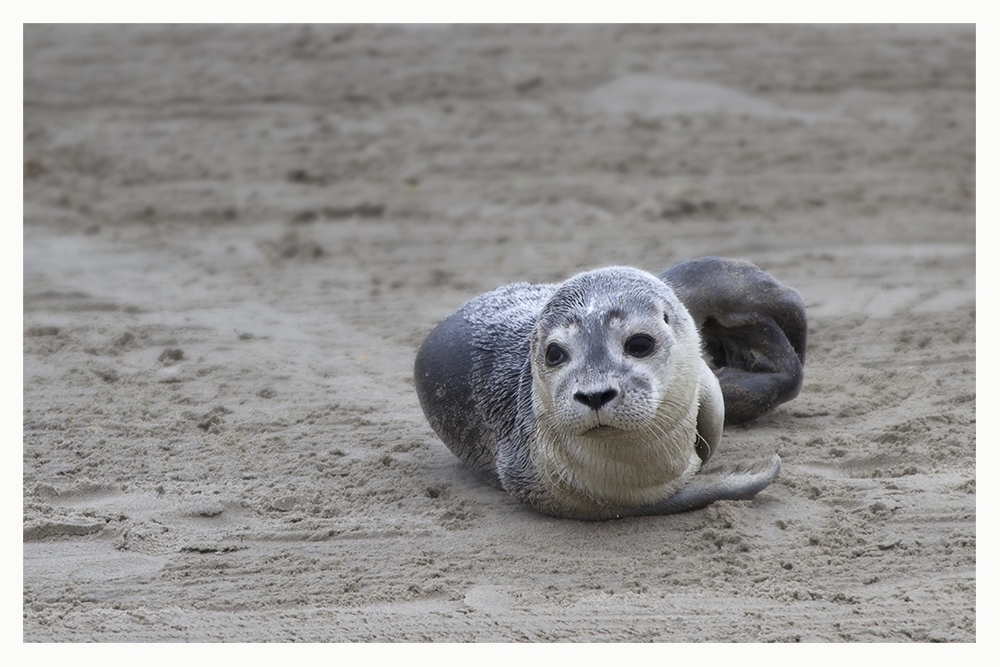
(588,400)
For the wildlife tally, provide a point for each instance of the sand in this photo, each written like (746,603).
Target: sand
(235,239)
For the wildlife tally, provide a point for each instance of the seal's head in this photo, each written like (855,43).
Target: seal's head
(617,381)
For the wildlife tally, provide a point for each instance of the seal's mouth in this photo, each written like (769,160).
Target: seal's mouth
(600,429)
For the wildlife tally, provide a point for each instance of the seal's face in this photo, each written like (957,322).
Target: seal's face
(612,354)
(617,379)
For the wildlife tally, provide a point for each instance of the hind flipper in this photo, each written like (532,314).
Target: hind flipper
(753,329)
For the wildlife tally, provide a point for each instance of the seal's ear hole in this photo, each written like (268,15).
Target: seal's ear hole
(640,345)
(666,318)
(555,355)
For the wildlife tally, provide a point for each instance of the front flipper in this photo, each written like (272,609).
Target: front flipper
(711,410)
(707,487)
(753,328)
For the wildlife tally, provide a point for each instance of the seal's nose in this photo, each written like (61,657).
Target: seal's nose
(596,399)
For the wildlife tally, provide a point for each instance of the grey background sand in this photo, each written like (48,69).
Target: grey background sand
(235,238)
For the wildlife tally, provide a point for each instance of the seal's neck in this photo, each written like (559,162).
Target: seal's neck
(623,468)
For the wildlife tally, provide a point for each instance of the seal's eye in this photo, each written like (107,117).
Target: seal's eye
(640,345)
(555,355)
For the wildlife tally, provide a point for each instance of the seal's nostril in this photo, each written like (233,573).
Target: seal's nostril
(596,399)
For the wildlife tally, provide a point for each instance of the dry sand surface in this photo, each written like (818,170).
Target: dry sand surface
(235,238)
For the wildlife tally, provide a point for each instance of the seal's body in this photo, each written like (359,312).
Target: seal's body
(590,399)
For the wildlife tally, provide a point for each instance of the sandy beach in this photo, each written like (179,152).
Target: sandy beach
(236,238)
